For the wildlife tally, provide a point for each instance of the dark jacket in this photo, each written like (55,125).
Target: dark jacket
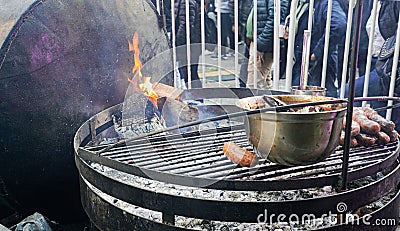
(194,20)
(265,23)
(337,31)
(388,18)
(244,7)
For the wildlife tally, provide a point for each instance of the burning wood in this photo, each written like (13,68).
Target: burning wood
(163,90)
(152,91)
(176,112)
(140,83)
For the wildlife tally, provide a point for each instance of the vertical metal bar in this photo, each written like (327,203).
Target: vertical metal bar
(203,41)
(369,56)
(326,47)
(189,71)
(304,63)
(236,18)
(394,72)
(219,41)
(349,115)
(289,60)
(347,47)
(174,42)
(277,43)
(255,70)
(308,45)
(158,6)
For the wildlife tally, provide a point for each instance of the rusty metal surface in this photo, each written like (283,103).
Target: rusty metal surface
(60,63)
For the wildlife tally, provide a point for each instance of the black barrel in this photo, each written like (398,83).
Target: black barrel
(62,61)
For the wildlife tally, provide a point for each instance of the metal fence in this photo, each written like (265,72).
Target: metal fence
(276,50)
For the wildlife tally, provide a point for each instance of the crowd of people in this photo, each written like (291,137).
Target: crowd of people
(263,58)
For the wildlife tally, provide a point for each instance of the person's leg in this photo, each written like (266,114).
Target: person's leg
(265,70)
(331,89)
(250,67)
(340,64)
(183,71)
(231,34)
(196,83)
(225,28)
(374,86)
(243,67)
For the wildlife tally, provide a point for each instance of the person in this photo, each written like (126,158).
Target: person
(222,6)
(265,42)
(244,7)
(377,38)
(337,31)
(379,82)
(363,44)
(195,38)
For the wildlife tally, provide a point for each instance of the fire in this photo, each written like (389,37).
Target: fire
(147,88)
(144,84)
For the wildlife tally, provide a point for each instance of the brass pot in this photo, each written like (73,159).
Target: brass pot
(294,138)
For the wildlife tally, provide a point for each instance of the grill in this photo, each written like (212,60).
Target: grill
(137,175)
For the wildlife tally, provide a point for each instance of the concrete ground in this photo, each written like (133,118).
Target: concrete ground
(229,68)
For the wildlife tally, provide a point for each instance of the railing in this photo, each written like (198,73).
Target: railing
(276,49)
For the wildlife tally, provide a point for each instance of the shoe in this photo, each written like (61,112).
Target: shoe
(214,57)
(230,53)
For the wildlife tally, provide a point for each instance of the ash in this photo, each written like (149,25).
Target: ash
(235,196)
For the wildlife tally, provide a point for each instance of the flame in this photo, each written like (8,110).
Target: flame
(144,84)
(134,46)
(147,88)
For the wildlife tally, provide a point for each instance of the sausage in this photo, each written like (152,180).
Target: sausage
(355,127)
(239,155)
(353,140)
(386,125)
(369,111)
(367,126)
(394,135)
(383,138)
(366,140)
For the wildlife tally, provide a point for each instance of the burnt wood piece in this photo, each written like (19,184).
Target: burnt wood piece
(164,90)
(175,112)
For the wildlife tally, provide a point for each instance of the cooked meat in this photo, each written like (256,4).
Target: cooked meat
(366,140)
(239,155)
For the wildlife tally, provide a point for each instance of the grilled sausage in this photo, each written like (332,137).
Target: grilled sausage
(386,125)
(369,111)
(393,135)
(239,155)
(367,126)
(383,138)
(355,127)
(366,140)
(353,140)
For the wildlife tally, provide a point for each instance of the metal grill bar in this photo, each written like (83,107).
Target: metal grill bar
(199,155)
